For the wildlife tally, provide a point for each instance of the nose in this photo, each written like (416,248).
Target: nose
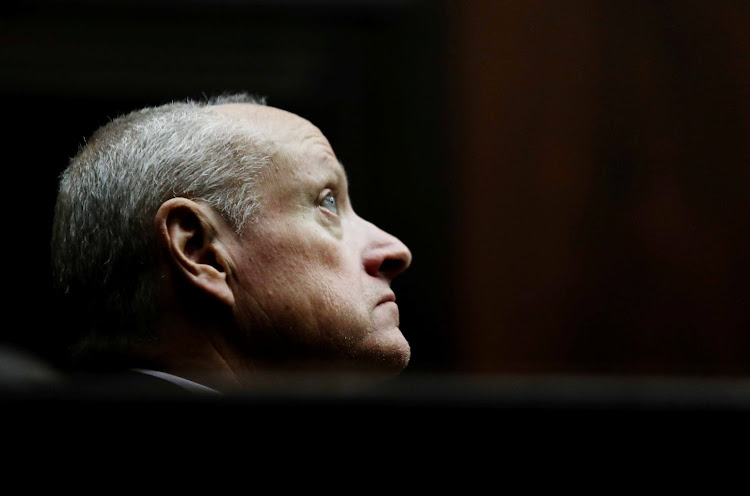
(385,255)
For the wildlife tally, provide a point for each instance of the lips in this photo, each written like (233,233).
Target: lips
(390,297)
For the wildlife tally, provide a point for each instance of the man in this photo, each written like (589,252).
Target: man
(206,244)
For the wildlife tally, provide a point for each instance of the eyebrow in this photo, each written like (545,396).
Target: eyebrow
(339,171)
(343,170)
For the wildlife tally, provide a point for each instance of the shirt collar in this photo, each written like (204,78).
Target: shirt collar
(180,381)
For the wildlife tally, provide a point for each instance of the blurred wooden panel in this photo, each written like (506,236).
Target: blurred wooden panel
(603,150)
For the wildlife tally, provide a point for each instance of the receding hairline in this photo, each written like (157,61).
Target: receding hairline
(272,123)
(242,109)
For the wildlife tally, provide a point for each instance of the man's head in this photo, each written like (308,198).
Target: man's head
(222,232)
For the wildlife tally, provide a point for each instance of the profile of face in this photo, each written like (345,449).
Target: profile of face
(311,279)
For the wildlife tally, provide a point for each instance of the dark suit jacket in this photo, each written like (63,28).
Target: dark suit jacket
(126,385)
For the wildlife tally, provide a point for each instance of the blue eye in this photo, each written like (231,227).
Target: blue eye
(329,203)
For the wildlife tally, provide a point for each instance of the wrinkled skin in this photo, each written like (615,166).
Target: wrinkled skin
(310,278)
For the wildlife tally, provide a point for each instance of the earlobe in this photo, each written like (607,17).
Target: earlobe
(191,245)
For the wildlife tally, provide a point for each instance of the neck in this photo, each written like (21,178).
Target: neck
(194,352)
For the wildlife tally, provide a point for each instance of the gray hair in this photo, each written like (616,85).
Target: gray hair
(103,248)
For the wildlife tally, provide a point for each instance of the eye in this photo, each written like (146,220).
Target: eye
(329,203)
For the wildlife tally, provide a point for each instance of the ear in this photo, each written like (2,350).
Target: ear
(189,234)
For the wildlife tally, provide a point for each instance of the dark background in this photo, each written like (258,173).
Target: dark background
(571,177)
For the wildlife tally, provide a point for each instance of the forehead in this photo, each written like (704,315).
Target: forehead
(286,135)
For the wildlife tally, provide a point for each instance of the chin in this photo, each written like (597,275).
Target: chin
(389,356)
(397,364)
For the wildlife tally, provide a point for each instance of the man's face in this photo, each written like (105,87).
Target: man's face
(312,279)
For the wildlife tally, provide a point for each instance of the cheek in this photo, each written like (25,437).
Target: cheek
(311,276)
(325,287)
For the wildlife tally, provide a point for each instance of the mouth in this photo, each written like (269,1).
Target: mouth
(388,298)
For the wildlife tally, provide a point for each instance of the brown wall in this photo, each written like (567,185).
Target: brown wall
(602,150)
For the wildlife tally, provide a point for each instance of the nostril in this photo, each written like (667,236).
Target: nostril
(392,266)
